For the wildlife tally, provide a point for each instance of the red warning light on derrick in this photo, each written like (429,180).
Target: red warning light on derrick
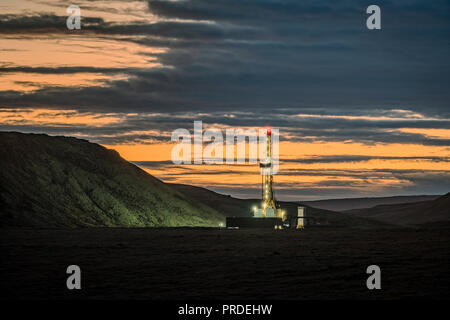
(269,131)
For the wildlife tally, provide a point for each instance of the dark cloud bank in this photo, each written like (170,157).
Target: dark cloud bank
(269,60)
(262,55)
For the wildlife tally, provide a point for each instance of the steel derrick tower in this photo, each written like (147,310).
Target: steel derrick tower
(266,163)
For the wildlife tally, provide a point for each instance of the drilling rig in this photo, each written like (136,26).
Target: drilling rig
(267,215)
(268,205)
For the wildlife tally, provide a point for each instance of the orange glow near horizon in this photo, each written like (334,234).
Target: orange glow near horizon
(369,172)
(247,175)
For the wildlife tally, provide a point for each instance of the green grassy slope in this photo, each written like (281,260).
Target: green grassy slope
(66,182)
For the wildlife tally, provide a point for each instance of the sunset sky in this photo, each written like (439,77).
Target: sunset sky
(360,112)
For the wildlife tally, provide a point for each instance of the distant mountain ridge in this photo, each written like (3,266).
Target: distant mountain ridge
(362,203)
(437,210)
(419,212)
(48,181)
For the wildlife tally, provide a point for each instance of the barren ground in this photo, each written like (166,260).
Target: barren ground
(169,263)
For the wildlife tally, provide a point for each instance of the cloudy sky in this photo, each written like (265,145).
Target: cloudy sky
(360,112)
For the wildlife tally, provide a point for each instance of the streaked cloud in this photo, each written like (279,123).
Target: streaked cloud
(359,112)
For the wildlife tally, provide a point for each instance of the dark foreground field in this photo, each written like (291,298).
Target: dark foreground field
(225,264)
